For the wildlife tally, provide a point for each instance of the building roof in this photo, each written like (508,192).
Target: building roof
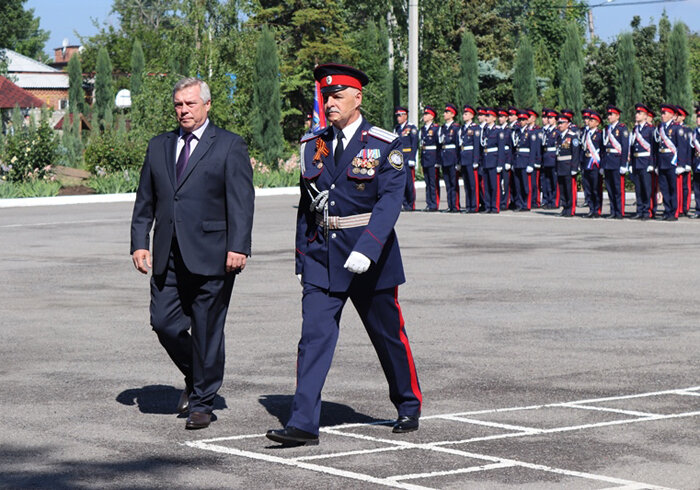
(12,95)
(18,63)
(42,80)
(84,124)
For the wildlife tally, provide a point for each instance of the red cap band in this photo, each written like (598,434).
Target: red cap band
(430,111)
(346,80)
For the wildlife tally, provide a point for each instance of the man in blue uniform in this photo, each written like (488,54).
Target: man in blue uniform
(470,153)
(533,128)
(585,184)
(352,183)
(616,143)
(429,155)
(493,144)
(548,181)
(695,157)
(506,183)
(449,145)
(568,148)
(670,146)
(525,142)
(590,163)
(685,186)
(642,161)
(408,136)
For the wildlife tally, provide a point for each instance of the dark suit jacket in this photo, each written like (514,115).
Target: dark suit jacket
(210,211)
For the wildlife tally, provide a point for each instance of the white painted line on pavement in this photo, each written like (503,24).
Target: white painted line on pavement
(612,410)
(471,469)
(524,430)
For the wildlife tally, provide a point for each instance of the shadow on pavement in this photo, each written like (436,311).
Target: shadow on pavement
(331,413)
(158,399)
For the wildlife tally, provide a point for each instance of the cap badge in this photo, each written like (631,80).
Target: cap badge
(329,79)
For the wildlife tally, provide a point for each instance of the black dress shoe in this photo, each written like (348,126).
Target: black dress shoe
(694,216)
(183,404)
(406,423)
(198,420)
(636,216)
(589,214)
(291,436)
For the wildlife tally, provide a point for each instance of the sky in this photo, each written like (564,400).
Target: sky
(66,17)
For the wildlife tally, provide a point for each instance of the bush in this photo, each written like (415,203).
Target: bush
(112,152)
(29,188)
(29,153)
(116,183)
(286,176)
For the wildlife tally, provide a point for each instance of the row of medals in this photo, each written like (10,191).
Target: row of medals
(364,167)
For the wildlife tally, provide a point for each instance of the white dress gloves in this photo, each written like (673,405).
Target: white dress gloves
(357,263)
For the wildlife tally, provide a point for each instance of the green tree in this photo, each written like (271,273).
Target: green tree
(104,90)
(694,61)
(76,95)
(468,86)
(570,70)
(19,29)
(628,84)
(677,88)
(646,49)
(266,100)
(599,71)
(524,86)
(373,40)
(137,68)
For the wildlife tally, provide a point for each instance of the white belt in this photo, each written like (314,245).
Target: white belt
(491,150)
(341,222)
(430,147)
(465,148)
(641,154)
(613,151)
(551,148)
(565,158)
(665,150)
(523,150)
(449,147)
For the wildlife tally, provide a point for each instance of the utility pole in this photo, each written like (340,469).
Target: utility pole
(591,28)
(413,62)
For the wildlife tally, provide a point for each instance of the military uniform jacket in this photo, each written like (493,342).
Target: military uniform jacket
(695,149)
(549,146)
(508,143)
(591,149)
(684,154)
(470,139)
(642,144)
(408,137)
(568,151)
(429,145)
(370,178)
(493,144)
(526,142)
(670,148)
(449,144)
(616,142)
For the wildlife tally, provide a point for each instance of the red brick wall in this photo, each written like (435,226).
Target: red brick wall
(51,97)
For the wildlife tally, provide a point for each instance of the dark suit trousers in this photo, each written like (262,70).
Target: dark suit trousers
(182,302)
(381,315)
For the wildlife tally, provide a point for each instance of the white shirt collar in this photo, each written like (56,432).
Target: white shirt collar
(197,132)
(348,131)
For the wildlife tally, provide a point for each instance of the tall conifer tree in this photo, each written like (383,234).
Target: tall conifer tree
(267,132)
(524,84)
(677,79)
(468,86)
(628,88)
(570,71)
(104,90)
(137,67)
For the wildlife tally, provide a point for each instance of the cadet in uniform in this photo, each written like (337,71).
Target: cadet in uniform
(429,158)
(669,138)
(548,182)
(568,147)
(449,144)
(493,144)
(695,156)
(470,140)
(591,163)
(525,142)
(585,184)
(408,136)
(616,143)
(506,175)
(352,185)
(535,201)
(642,161)
(685,186)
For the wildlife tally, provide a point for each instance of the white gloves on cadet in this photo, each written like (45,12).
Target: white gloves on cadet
(357,263)
(475,165)
(574,172)
(499,169)
(411,163)
(623,170)
(688,168)
(458,167)
(301,281)
(679,170)
(507,166)
(650,168)
(529,169)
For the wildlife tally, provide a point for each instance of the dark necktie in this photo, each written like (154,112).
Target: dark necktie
(184,157)
(339,147)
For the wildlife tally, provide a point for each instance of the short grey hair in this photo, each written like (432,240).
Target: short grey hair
(184,83)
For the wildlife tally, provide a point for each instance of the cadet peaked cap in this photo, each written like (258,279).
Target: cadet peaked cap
(680,111)
(490,111)
(668,108)
(468,108)
(531,112)
(594,115)
(481,110)
(513,111)
(522,114)
(549,113)
(502,112)
(334,77)
(451,108)
(642,108)
(611,109)
(568,113)
(564,117)
(430,110)
(586,113)
(400,110)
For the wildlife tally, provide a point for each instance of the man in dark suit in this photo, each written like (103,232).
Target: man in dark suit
(352,184)
(197,183)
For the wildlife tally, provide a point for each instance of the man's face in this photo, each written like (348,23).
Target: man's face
(593,123)
(613,117)
(467,117)
(512,118)
(341,106)
(502,119)
(640,117)
(190,109)
(532,120)
(522,122)
(427,118)
(481,118)
(490,119)
(666,116)
(680,118)
(697,121)
(401,117)
(448,115)
(563,125)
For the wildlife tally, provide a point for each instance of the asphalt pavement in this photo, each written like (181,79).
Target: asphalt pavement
(552,353)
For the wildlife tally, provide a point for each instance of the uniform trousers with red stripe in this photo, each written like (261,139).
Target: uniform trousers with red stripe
(381,315)
(696,191)
(567,194)
(615,184)
(668,185)
(522,188)
(686,185)
(492,190)
(594,183)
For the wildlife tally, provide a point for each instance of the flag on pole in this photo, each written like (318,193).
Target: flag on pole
(319,115)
